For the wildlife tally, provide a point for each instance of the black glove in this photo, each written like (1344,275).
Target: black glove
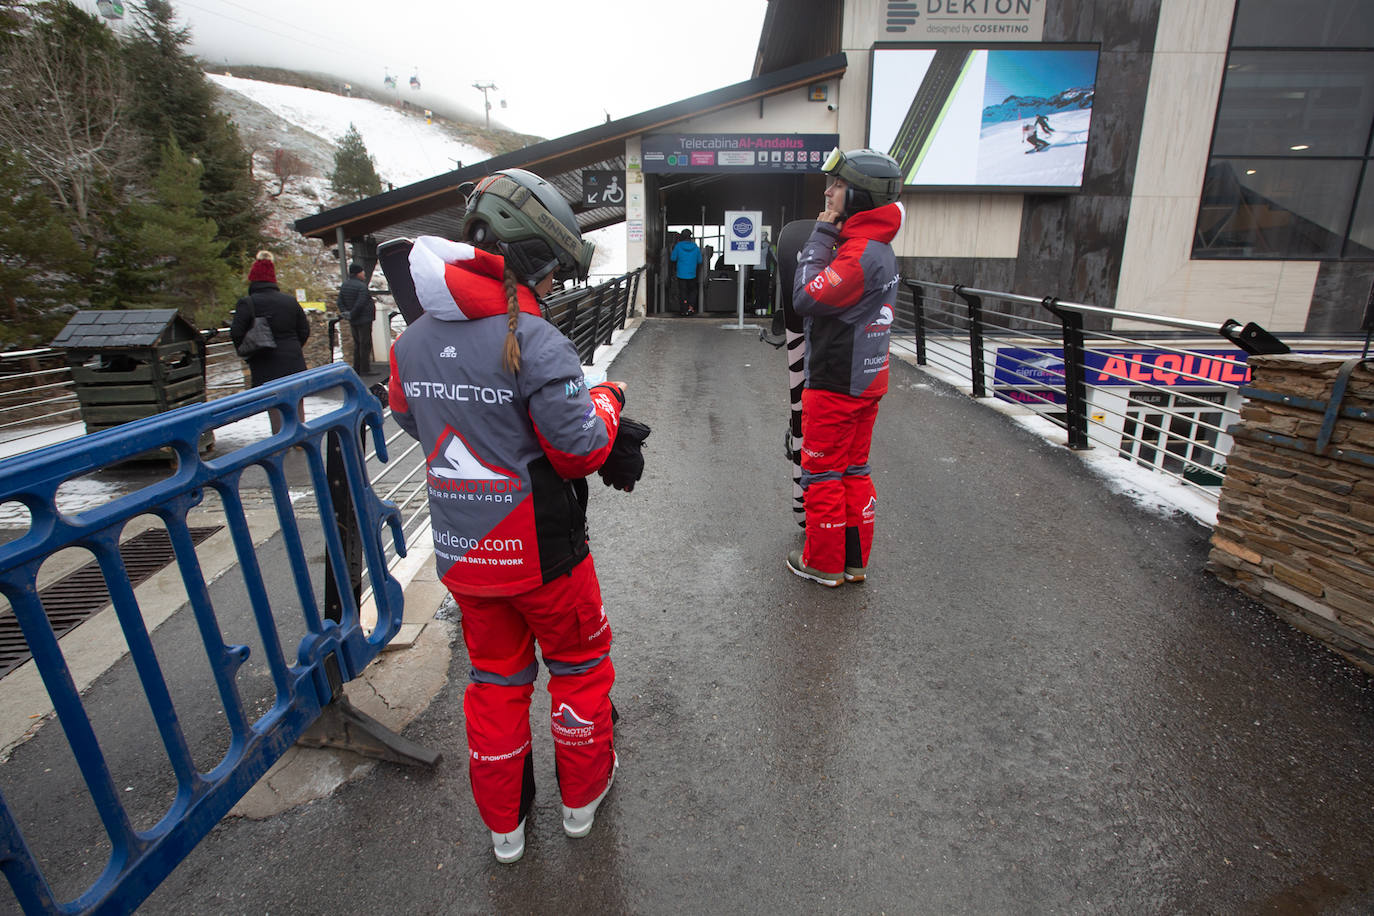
(380,390)
(625,464)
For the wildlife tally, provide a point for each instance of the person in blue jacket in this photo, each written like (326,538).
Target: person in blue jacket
(687,256)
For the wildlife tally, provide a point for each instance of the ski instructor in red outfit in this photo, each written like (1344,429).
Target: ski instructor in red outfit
(846,290)
(496,396)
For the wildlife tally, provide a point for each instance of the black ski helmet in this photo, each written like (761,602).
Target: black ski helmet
(530,223)
(874,178)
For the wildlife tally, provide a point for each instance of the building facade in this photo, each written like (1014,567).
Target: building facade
(1224,170)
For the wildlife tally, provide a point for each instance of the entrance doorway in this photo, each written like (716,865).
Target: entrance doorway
(698,202)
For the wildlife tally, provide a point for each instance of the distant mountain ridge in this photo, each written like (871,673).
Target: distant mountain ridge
(1019,107)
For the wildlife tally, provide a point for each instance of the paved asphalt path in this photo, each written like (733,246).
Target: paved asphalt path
(1038,703)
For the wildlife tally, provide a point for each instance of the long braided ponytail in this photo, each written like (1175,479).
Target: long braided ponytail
(510,355)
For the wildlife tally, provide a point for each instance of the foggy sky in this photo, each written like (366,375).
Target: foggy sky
(560,67)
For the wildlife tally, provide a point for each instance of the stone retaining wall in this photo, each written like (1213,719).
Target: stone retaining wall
(1295,529)
(317,351)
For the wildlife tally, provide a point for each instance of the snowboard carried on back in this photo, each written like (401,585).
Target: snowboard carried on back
(394,257)
(789,242)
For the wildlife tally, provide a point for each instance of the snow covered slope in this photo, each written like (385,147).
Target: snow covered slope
(405,148)
(1004,157)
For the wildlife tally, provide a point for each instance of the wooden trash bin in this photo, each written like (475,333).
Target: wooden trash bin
(133,363)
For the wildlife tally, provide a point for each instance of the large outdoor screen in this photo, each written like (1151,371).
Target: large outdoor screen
(984,117)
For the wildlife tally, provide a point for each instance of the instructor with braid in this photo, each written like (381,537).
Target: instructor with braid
(496,396)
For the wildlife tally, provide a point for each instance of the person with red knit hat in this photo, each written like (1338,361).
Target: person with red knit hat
(283,313)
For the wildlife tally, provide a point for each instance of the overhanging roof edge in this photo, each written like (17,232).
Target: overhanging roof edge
(322,225)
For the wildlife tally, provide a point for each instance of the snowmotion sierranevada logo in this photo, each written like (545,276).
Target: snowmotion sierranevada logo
(884,320)
(456,473)
(568,724)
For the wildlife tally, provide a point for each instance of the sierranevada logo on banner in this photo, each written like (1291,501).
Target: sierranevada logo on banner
(962,20)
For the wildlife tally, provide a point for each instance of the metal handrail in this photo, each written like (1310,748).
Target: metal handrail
(955,330)
(1187,324)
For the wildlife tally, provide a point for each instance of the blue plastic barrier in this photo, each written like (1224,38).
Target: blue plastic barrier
(140,860)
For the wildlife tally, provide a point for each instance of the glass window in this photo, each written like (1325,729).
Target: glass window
(1361,244)
(1275,208)
(1303,24)
(1295,103)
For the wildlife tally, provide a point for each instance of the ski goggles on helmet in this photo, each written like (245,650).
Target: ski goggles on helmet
(839,165)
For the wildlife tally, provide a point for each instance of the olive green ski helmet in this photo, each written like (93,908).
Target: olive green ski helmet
(530,223)
(874,178)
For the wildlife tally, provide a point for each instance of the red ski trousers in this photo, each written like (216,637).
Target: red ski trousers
(567,619)
(840,501)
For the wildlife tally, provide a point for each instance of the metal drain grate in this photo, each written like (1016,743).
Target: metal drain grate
(78,595)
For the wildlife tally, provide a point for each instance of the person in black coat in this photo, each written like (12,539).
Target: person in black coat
(356,307)
(283,313)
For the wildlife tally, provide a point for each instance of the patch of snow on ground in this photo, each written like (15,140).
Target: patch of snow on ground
(22,439)
(1152,491)
(80,494)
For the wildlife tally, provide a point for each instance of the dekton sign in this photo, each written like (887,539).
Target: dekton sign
(962,20)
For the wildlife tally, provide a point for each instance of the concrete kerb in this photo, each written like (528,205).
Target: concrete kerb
(395,688)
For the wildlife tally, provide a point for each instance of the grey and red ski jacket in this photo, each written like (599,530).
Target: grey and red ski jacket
(504,450)
(846,289)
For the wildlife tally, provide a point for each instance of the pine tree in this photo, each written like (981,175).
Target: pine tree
(355,172)
(173,97)
(176,251)
(41,263)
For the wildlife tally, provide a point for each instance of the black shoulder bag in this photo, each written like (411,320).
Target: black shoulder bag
(259,337)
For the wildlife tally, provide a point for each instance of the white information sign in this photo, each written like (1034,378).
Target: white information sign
(742,245)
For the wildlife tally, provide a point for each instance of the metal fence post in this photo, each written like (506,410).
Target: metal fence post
(348,533)
(918,320)
(605,336)
(341,724)
(595,337)
(1075,386)
(975,340)
(630,299)
(570,318)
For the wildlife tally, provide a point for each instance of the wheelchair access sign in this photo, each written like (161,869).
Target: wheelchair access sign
(603,189)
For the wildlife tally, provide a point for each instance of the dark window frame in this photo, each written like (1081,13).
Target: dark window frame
(1349,249)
